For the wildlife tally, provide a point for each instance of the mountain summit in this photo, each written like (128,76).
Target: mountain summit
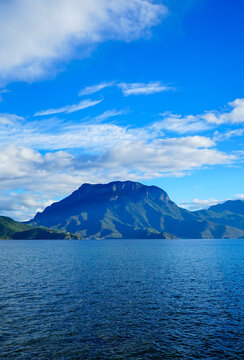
(127,209)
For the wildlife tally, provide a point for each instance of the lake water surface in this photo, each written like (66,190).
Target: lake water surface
(121,299)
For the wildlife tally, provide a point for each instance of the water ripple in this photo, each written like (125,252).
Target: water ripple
(169,299)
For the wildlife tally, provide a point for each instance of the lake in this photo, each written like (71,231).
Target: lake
(121,299)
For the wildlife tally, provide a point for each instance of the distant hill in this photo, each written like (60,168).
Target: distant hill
(11,229)
(130,210)
(234,206)
(8,227)
(229,213)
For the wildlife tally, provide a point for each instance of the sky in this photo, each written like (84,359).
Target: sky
(96,91)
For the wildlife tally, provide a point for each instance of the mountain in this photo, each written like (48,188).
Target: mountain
(234,206)
(11,229)
(128,210)
(229,213)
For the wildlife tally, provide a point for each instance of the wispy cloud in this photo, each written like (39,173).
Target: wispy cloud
(69,108)
(47,31)
(108,147)
(108,114)
(9,119)
(95,88)
(181,125)
(57,134)
(227,134)
(143,88)
(129,88)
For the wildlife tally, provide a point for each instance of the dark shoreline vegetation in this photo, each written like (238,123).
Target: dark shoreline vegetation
(126,210)
(11,229)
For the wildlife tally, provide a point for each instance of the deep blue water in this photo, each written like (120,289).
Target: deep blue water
(121,299)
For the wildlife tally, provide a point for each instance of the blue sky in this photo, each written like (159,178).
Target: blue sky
(97,91)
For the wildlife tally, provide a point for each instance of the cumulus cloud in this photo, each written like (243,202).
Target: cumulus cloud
(165,156)
(25,168)
(68,109)
(33,34)
(22,206)
(161,155)
(201,122)
(235,115)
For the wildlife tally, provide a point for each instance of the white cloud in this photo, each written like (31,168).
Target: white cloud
(29,170)
(199,204)
(239,196)
(143,89)
(129,88)
(56,134)
(34,34)
(228,134)
(235,116)
(165,156)
(9,119)
(181,125)
(108,114)
(68,109)
(22,206)
(95,88)
(210,119)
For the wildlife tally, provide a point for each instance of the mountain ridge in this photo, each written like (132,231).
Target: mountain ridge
(127,209)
